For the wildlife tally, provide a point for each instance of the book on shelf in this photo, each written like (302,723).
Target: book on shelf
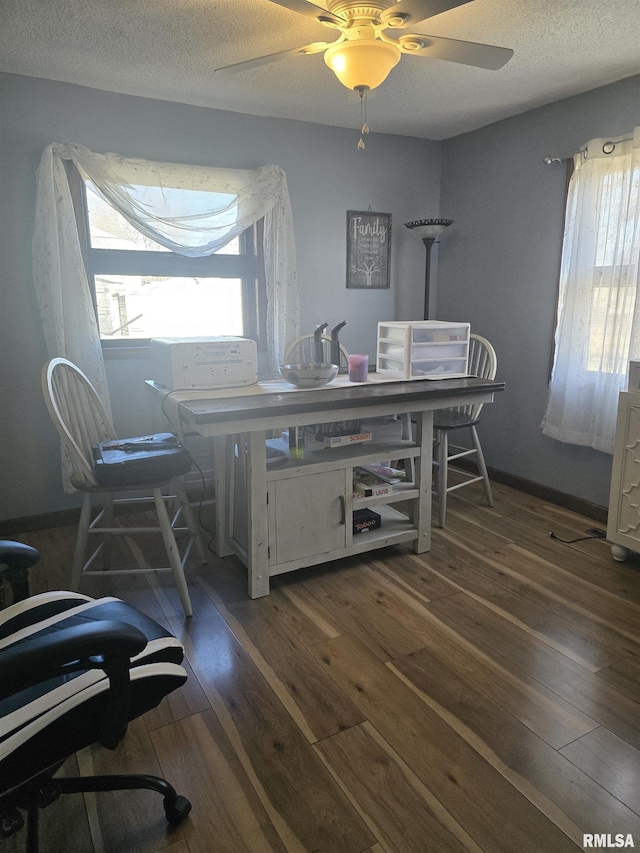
(386,473)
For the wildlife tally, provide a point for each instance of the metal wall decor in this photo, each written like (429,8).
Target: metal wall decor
(368,249)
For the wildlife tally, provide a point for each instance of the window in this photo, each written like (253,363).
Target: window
(615,276)
(598,328)
(143,290)
(228,201)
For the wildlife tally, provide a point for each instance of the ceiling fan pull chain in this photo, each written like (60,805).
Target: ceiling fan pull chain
(364,127)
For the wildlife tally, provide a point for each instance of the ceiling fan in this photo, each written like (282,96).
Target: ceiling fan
(367,48)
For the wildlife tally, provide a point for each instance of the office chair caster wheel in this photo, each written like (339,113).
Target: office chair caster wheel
(11,821)
(176,809)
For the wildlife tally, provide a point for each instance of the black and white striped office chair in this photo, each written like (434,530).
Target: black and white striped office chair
(74,671)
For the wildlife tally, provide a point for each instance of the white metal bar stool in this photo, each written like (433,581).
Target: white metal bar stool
(82,421)
(482,363)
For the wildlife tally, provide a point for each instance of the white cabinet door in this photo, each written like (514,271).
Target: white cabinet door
(308,516)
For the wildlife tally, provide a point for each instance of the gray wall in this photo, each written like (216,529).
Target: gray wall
(326,174)
(499,266)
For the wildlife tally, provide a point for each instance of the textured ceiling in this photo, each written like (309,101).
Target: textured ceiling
(168,49)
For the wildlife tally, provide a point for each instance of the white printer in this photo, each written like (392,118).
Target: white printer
(212,362)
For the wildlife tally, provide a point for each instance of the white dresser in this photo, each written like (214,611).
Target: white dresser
(623,523)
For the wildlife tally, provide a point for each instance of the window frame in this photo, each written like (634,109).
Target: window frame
(248,266)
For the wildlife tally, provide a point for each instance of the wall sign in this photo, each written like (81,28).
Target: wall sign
(368,249)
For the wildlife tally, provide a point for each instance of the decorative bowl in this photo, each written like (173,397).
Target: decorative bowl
(309,374)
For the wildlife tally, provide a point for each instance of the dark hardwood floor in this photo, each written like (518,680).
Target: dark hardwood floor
(484,696)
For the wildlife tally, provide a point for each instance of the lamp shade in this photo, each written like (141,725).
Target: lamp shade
(428,227)
(363,63)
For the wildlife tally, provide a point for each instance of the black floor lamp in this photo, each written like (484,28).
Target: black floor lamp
(429,230)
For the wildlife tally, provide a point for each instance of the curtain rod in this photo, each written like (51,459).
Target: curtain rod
(548,159)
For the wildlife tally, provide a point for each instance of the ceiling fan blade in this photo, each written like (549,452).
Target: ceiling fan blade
(452,50)
(310,10)
(419,10)
(316,47)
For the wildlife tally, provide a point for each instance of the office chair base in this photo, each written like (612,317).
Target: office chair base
(43,790)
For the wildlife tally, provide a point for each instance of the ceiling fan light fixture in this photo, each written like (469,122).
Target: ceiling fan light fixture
(362,63)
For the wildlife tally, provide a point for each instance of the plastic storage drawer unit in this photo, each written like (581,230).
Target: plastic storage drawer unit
(424,349)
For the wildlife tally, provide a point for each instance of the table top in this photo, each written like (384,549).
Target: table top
(278,397)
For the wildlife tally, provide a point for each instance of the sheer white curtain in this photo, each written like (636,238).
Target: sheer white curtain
(191,210)
(60,279)
(598,327)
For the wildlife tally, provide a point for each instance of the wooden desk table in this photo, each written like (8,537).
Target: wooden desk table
(297,514)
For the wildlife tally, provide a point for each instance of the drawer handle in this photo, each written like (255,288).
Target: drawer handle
(343,510)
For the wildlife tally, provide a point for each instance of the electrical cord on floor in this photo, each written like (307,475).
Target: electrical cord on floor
(594,533)
(212,535)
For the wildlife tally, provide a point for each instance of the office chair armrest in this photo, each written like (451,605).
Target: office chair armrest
(96,645)
(16,559)
(17,554)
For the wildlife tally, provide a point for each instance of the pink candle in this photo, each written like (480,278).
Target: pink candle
(358,368)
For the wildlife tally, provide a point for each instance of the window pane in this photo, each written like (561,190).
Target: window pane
(108,229)
(131,307)
(610,328)
(619,198)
